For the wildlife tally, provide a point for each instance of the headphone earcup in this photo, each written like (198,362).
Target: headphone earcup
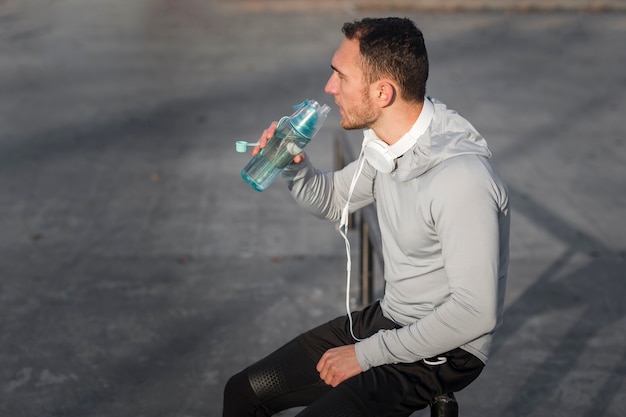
(377,153)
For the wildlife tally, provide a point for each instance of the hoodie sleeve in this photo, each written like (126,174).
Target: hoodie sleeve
(324,193)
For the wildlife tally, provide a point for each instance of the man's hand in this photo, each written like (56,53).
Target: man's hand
(267,135)
(338,364)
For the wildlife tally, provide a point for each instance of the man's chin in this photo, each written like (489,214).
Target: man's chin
(350,126)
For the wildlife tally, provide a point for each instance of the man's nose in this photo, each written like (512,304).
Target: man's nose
(330,87)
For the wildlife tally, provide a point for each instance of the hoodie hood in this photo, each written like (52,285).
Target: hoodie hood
(448,135)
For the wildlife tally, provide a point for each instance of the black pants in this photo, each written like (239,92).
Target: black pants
(287,378)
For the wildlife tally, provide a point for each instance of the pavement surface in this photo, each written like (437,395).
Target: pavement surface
(138,271)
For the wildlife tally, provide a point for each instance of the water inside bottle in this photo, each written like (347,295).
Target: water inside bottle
(260,172)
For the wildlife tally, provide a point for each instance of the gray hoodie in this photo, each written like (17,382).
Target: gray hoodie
(444,220)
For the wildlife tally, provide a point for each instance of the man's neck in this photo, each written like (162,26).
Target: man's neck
(396,121)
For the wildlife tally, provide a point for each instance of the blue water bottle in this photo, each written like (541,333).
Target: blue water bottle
(292,135)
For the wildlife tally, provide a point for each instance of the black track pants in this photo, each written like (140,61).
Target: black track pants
(287,378)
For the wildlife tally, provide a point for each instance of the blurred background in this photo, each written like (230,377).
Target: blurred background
(138,271)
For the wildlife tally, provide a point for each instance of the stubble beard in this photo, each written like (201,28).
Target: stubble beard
(362,116)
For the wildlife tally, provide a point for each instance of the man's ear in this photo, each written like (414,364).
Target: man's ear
(385,93)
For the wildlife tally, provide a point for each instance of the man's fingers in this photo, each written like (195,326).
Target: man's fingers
(322,367)
(265,136)
(326,370)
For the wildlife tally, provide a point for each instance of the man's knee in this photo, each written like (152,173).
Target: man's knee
(235,386)
(239,399)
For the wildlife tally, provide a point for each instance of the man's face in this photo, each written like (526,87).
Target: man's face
(346,84)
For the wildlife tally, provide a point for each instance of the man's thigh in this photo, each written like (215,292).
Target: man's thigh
(337,332)
(397,390)
(383,391)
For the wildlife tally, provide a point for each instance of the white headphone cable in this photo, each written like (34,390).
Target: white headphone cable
(343,230)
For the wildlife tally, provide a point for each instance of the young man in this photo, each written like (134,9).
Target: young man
(444,219)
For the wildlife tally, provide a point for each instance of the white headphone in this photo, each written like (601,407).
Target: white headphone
(382,156)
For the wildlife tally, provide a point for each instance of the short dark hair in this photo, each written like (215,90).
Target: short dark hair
(392,47)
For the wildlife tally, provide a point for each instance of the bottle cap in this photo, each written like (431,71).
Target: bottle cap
(308,118)
(241,146)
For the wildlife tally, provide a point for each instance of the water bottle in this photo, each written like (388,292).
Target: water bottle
(292,135)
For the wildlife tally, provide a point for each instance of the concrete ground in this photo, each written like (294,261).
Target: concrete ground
(138,271)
